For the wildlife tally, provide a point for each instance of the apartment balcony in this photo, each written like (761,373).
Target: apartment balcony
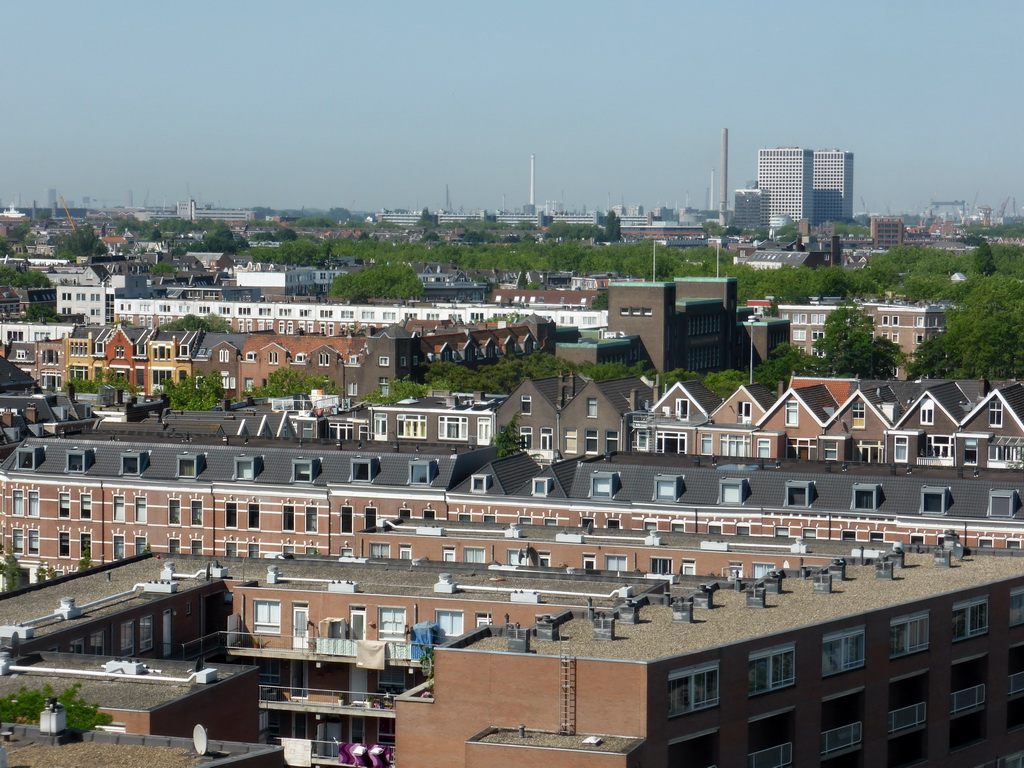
(334,753)
(1016,683)
(907,717)
(774,757)
(267,645)
(327,702)
(966,699)
(843,737)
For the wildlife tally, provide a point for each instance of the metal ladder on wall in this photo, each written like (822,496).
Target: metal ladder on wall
(567,680)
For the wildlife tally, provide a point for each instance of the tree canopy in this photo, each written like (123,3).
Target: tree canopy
(285,382)
(849,348)
(209,323)
(195,393)
(385,281)
(398,389)
(26,704)
(81,243)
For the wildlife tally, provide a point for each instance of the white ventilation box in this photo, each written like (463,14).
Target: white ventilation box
(569,538)
(124,667)
(206,675)
(524,597)
(344,587)
(161,587)
(428,531)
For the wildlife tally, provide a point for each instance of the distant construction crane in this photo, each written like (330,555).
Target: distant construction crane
(70,220)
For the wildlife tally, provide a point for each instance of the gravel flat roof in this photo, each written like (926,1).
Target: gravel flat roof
(137,693)
(17,608)
(656,636)
(551,740)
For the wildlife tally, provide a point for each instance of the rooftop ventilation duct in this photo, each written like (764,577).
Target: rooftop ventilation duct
(446,585)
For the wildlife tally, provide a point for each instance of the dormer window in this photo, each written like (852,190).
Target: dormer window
(668,487)
(79,460)
(1003,503)
(364,470)
(799,493)
(247,467)
(733,490)
(604,485)
(422,472)
(935,500)
(866,497)
(30,458)
(189,466)
(480,483)
(250,357)
(542,486)
(304,470)
(134,463)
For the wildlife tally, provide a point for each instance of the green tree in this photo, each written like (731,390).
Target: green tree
(26,704)
(849,348)
(10,571)
(163,268)
(507,441)
(984,261)
(85,561)
(45,572)
(195,393)
(783,363)
(385,281)
(426,220)
(612,227)
(398,389)
(600,301)
(285,382)
(724,383)
(209,323)
(605,371)
(41,313)
(81,243)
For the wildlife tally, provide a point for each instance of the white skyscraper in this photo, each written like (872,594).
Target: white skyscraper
(785,177)
(833,185)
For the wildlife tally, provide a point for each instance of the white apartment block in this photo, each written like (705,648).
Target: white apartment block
(332,318)
(833,185)
(785,177)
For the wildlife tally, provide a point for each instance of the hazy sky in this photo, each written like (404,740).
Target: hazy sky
(373,104)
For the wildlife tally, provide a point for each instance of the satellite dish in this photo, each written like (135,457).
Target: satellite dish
(200,739)
(200,664)
(15,644)
(958,551)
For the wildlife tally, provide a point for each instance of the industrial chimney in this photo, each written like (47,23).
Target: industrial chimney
(723,205)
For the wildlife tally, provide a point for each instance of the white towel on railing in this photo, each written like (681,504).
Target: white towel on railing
(370,654)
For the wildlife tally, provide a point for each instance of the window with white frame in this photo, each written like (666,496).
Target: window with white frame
(970,618)
(603,485)
(473,554)
(453,427)
(927,413)
(934,500)
(450,622)
(422,472)
(771,669)
(732,490)
(908,634)
(391,625)
(995,413)
(692,689)
(901,449)
(410,425)
(526,405)
(842,651)
(941,446)
(799,493)
(127,644)
(266,616)
(866,496)
(616,562)
(792,413)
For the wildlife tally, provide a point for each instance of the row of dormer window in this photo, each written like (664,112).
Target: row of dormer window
(190,466)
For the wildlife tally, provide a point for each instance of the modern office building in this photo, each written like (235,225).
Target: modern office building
(833,185)
(805,184)
(785,177)
(747,212)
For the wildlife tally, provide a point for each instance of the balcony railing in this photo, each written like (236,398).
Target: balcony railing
(381,704)
(967,698)
(773,757)
(840,738)
(1016,682)
(324,646)
(907,717)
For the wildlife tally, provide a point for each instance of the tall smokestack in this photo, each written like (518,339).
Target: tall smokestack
(723,205)
(533,180)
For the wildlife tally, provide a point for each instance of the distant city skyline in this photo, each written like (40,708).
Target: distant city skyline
(366,106)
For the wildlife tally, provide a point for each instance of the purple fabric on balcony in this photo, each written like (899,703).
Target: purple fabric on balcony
(379,757)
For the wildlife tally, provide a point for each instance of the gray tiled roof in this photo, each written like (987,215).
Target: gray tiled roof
(335,465)
(617,391)
(900,494)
